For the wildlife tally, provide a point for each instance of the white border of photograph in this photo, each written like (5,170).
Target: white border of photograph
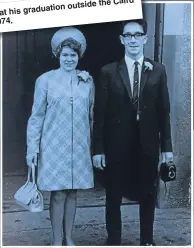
(192,135)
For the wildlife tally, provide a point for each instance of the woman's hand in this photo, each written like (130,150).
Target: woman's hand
(32,159)
(99,161)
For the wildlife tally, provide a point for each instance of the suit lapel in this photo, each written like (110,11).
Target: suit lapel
(144,75)
(125,77)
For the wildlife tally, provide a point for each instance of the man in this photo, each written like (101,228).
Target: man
(131,124)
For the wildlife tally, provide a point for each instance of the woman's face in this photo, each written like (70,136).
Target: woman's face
(68,59)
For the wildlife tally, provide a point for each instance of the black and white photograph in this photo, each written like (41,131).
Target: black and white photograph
(96,132)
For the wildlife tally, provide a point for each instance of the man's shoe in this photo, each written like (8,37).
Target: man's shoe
(113,242)
(147,244)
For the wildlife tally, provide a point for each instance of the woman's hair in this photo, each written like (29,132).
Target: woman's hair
(71,43)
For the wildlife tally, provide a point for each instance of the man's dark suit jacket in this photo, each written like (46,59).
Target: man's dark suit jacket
(115,121)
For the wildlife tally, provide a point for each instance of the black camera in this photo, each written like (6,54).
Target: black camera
(168,172)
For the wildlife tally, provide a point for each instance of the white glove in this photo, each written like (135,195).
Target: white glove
(99,161)
(32,159)
(167,157)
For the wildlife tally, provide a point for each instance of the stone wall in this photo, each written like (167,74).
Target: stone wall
(177,59)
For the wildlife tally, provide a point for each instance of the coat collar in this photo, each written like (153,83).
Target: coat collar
(125,76)
(144,75)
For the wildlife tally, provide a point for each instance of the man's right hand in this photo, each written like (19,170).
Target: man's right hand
(32,159)
(99,161)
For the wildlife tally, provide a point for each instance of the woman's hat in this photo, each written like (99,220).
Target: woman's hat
(68,33)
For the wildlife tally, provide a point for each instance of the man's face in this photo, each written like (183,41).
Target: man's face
(133,39)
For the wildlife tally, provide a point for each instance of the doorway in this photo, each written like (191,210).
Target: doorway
(27,54)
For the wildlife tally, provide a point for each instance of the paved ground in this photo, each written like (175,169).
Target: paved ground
(22,228)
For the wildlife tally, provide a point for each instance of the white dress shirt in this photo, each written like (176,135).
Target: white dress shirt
(130,67)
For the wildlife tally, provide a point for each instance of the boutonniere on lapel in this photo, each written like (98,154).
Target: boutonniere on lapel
(148,66)
(84,76)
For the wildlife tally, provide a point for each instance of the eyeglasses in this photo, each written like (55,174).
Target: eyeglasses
(137,36)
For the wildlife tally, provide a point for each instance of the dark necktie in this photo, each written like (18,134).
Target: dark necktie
(135,86)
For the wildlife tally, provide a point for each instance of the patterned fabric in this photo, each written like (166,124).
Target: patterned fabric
(59,130)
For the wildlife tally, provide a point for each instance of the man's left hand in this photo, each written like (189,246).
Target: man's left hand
(167,157)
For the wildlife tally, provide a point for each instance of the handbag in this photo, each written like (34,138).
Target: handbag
(28,196)
(168,172)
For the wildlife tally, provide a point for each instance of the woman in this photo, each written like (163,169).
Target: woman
(59,130)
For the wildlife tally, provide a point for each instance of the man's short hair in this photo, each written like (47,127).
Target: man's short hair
(141,22)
